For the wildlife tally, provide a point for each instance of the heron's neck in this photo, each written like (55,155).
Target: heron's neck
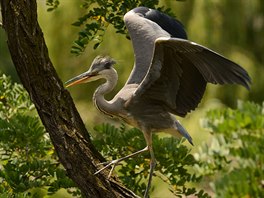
(100,102)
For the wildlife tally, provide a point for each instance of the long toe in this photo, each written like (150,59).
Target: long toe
(108,164)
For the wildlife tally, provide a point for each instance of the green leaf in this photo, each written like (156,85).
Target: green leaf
(235,152)
(28,160)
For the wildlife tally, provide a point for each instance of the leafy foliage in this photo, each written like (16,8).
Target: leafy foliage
(235,154)
(27,156)
(100,14)
(233,162)
(173,159)
(13,98)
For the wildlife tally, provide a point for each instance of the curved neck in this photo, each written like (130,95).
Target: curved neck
(100,102)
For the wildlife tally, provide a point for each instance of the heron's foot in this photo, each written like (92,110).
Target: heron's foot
(114,163)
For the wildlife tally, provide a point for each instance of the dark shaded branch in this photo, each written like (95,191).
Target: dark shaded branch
(54,104)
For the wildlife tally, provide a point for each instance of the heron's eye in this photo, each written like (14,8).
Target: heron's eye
(107,65)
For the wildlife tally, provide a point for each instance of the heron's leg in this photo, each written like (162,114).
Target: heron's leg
(113,163)
(148,138)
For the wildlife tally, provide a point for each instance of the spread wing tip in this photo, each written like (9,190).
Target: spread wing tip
(243,78)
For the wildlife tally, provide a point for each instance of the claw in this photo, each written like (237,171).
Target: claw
(108,164)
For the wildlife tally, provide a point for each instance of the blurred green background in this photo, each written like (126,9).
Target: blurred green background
(232,28)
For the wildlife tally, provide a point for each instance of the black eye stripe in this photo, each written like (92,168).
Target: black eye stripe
(108,65)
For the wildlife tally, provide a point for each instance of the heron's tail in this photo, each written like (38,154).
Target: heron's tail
(183,132)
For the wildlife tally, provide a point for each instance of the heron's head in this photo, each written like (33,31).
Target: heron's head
(99,68)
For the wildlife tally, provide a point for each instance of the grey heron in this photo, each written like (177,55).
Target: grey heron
(169,78)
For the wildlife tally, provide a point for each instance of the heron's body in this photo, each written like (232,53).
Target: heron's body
(141,114)
(169,77)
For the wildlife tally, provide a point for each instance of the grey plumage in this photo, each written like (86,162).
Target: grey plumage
(169,77)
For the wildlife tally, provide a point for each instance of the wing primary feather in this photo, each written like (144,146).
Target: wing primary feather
(225,71)
(214,67)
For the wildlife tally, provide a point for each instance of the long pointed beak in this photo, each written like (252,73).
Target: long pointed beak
(82,78)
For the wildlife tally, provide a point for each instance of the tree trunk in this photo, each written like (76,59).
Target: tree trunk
(54,104)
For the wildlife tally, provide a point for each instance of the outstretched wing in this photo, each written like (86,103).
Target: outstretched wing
(178,74)
(144,52)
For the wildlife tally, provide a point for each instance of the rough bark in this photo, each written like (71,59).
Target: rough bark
(54,104)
